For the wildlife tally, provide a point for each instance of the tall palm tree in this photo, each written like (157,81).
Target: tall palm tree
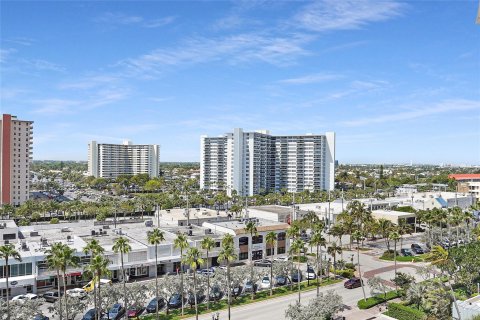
(297,247)
(55,261)
(181,243)
(293,232)
(440,258)
(97,268)
(394,236)
(227,240)
(69,260)
(271,240)
(358,236)
(122,246)
(318,241)
(207,244)
(251,228)
(228,255)
(93,248)
(155,237)
(194,260)
(332,250)
(8,251)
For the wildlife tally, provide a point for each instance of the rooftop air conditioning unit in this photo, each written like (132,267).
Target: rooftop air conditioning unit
(34,234)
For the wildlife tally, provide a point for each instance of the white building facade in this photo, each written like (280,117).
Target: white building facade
(111,160)
(16,142)
(257,162)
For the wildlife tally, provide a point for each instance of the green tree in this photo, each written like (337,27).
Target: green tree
(193,259)
(208,244)
(156,237)
(271,240)
(228,255)
(181,243)
(332,250)
(122,246)
(251,228)
(97,268)
(93,249)
(394,236)
(8,251)
(297,247)
(318,241)
(358,236)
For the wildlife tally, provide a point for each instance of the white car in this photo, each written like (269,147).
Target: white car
(77,293)
(281,258)
(24,297)
(265,283)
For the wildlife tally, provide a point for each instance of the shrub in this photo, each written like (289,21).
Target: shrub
(401,312)
(388,255)
(379,298)
(346,273)
(350,266)
(54,221)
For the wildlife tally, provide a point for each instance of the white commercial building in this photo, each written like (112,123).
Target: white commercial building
(257,162)
(111,160)
(16,156)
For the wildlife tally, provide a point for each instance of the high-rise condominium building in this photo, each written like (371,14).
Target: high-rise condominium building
(257,162)
(16,146)
(111,160)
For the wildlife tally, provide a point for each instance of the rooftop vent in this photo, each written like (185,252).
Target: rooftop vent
(34,234)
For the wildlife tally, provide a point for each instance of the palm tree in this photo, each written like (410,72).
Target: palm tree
(93,248)
(69,260)
(156,237)
(293,233)
(358,236)
(207,244)
(96,269)
(251,228)
(271,240)
(55,261)
(228,255)
(297,247)
(332,250)
(318,240)
(394,236)
(8,251)
(440,258)
(181,243)
(194,260)
(121,246)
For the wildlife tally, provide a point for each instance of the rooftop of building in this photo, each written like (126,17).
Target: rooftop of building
(464,176)
(238,225)
(393,213)
(179,214)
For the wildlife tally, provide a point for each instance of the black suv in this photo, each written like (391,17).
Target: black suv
(152,305)
(417,249)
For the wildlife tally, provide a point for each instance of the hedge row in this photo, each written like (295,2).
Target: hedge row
(401,312)
(379,298)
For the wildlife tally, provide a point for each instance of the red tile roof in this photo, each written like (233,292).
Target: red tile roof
(464,176)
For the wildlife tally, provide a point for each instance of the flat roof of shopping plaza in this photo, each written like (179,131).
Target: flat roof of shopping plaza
(238,225)
(176,214)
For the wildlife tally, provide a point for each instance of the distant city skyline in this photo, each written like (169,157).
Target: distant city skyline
(397,81)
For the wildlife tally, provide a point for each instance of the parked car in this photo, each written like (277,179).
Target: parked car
(406,252)
(90,314)
(297,276)
(23,297)
(352,283)
(250,286)
(416,248)
(116,312)
(50,296)
(135,311)
(281,280)
(263,263)
(215,294)
(152,305)
(77,292)
(265,283)
(311,275)
(206,272)
(40,317)
(237,291)
(191,298)
(175,301)
(281,258)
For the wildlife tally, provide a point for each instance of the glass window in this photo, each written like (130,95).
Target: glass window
(14,270)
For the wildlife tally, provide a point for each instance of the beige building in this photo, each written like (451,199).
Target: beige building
(16,156)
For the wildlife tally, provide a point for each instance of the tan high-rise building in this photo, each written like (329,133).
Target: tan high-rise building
(16,155)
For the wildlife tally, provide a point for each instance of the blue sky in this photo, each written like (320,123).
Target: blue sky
(397,81)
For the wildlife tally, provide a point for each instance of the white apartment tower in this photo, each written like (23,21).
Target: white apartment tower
(16,156)
(256,162)
(111,160)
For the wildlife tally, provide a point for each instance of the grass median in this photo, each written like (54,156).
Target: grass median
(242,300)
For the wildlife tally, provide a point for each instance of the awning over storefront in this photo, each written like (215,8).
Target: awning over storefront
(15,282)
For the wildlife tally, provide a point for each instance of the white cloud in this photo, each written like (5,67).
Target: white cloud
(312,78)
(416,112)
(326,15)
(113,19)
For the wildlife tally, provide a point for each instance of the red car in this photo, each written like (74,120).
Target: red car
(353,283)
(135,312)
